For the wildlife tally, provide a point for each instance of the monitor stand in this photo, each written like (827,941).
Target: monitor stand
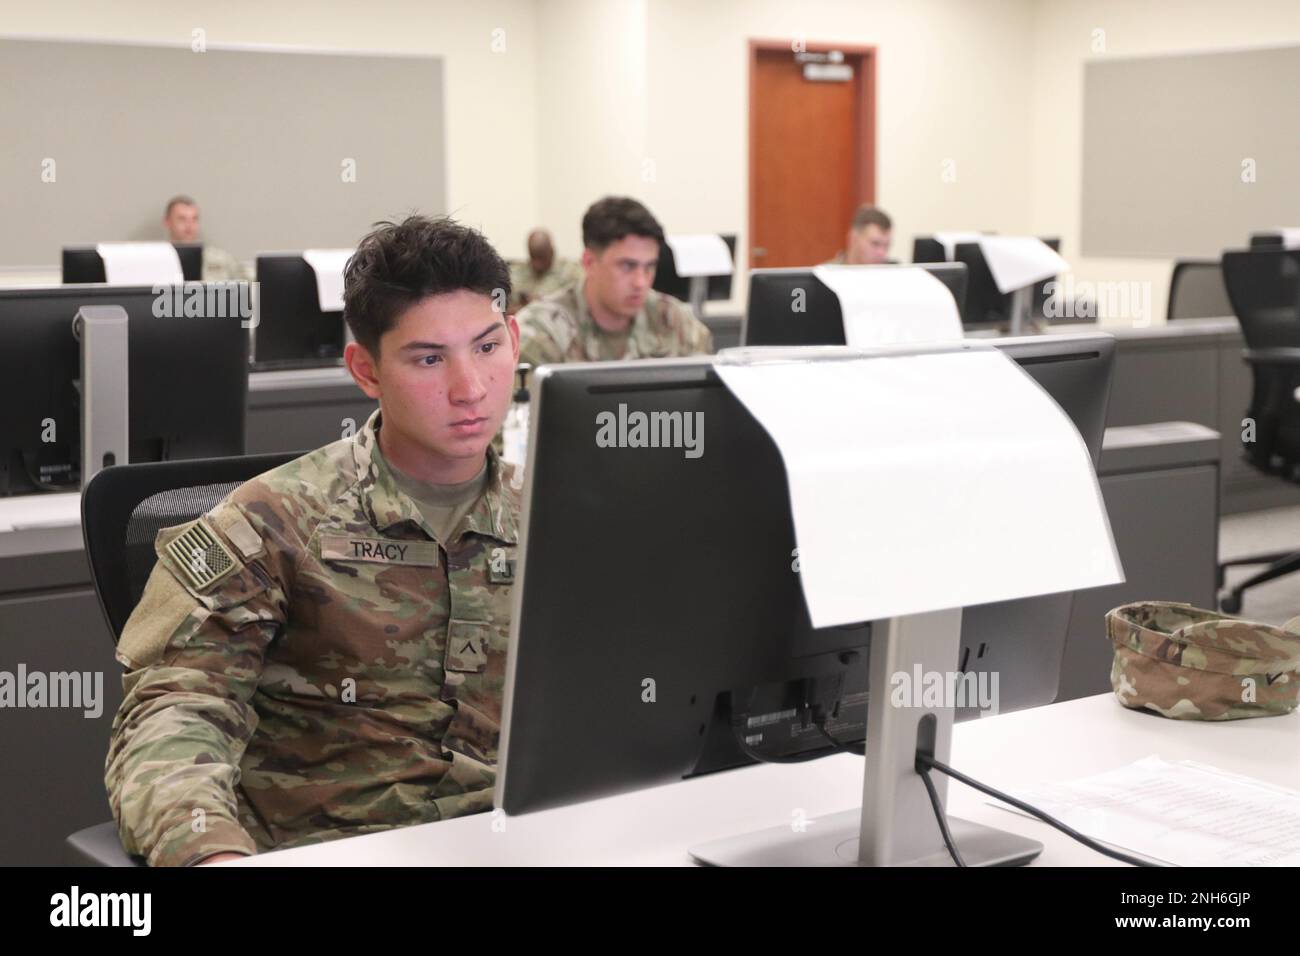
(896,824)
(699,294)
(102,331)
(1022,301)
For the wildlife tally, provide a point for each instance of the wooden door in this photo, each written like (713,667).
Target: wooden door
(811,153)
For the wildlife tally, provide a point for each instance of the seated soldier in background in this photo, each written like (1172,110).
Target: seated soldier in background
(542,274)
(181,220)
(323,653)
(612,312)
(868,240)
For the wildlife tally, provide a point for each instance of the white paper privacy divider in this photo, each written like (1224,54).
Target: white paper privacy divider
(926,480)
(140,263)
(892,305)
(1290,236)
(704,255)
(1019,261)
(328,265)
(949,241)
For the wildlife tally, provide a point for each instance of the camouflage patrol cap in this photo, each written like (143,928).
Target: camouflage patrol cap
(1184,662)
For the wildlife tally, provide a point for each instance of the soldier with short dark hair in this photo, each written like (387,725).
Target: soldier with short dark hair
(868,238)
(339,670)
(612,312)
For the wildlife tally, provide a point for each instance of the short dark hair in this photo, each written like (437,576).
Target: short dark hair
(400,263)
(610,219)
(177,201)
(869,215)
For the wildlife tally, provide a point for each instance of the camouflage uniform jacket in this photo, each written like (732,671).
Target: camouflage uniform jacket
(560,328)
(221,266)
(341,674)
(527,286)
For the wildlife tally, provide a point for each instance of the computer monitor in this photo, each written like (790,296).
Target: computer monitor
(83,264)
(292,329)
(187,379)
(928,249)
(669,282)
(985,305)
(770,319)
(659,631)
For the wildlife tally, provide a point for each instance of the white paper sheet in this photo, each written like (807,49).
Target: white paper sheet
(704,255)
(140,263)
(1290,236)
(928,481)
(950,240)
(1018,261)
(892,305)
(328,265)
(1184,813)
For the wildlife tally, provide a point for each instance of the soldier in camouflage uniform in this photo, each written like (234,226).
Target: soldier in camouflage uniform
(542,274)
(323,653)
(868,239)
(612,313)
(181,220)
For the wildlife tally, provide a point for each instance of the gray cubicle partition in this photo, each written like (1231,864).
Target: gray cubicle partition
(1161,486)
(1192,370)
(50,623)
(303,409)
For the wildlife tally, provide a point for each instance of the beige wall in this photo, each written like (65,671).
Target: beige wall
(1063,40)
(951,86)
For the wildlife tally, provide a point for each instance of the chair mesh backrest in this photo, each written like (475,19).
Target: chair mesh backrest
(1198,292)
(164,510)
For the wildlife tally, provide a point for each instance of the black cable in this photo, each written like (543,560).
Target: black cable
(924,760)
(757,757)
(940,815)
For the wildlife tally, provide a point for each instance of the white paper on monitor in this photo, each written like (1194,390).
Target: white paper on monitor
(328,265)
(950,241)
(704,255)
(1018,261)
(928,481)
(892,305)
(1181,812)
(1290,236)
(140,263)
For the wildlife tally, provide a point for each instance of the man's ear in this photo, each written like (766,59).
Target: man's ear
(364,368)
(513,327)
(588,260)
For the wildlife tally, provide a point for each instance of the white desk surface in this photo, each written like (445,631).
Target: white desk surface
(39,524)
(655,827)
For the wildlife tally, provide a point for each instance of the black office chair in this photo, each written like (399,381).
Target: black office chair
(122,510)
(1196,290)
(1264,289)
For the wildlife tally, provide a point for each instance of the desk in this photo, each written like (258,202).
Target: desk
(655,827)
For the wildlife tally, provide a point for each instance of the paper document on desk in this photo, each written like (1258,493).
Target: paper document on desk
(950,241)
(892,305)
(927,481)
(328,265)
(1290,236)
(705,255)
(1184,813)
(1018,261)
(140,263)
